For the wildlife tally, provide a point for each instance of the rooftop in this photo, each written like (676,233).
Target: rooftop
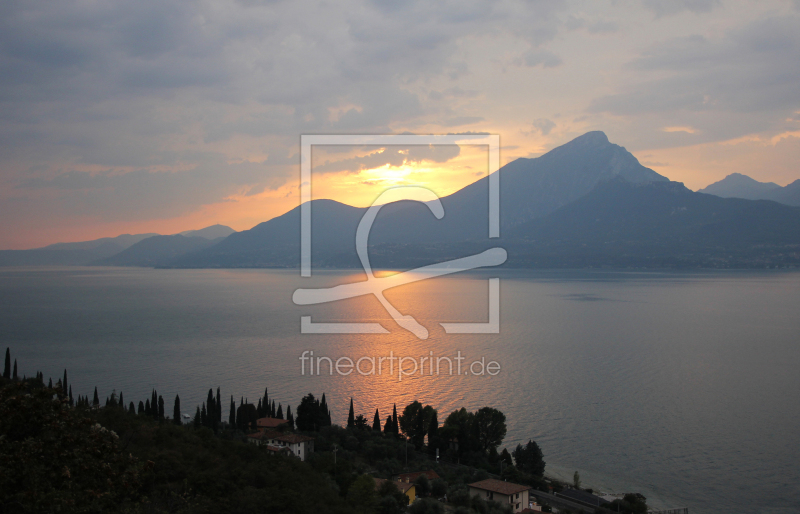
(500,487)
(270,422)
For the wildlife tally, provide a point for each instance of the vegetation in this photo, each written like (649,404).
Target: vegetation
(60,454)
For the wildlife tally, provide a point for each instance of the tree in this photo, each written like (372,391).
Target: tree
(387,427)
(141,408)
(290,417)
(422,485)
(351,418)
(70,396)
(197,422)
(395,425)
(121,401)
(505,457)
(460,425)
(412,421)
(529,458)
(131,409)
(64,388)
(14,376)
(96,399)
(7,368)
(204,415)
(324,413)
(433,434)
(160,408)
(219,409)
(148,409)
(55,460)
(279,414)
(376,422)
(308,414)
(576,480)
(361,494)
(361,423)
(176,411)
(491,428)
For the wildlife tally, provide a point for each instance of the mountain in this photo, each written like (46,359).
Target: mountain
(70,254)
(529,188)
(737,185)
(659,224)
(788,194)
(212,232)
(156,251)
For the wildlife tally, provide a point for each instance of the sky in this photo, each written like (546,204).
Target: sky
(170,115)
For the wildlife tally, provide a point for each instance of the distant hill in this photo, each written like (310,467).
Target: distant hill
(529,188)
(98,250)
(737,185)
(212,232)
(70,254)
(156,251)
(660,225)
(788,194)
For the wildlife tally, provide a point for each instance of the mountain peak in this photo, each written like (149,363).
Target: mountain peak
(593,137)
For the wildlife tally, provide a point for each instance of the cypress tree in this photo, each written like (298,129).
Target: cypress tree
(219,408)
(176,411)
(203,415)
(14,376)
(50,385)
(131,409)
(96,399)
(106,401)
(376,422)
(154,405)
(290,417)
(351,417)
(197,421)
(210,410)
(232,414)
(148,409)
(279,414)
(395,425)
(387,427)
(260,409)
(7,368)
(265,403)
(160,408)
(64,384)
(70,397)
(272,412)
(141,408)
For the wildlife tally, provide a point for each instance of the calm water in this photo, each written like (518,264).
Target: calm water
(684,387)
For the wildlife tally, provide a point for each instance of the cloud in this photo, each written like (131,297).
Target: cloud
(668,7)
(742,82)
(543,125)
(393,156)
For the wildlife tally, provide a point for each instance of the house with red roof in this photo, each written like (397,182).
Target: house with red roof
(504,493)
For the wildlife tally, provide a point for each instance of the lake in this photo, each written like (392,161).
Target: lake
(682,386)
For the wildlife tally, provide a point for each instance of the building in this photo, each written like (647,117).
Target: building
(407,488)
(271,424)
(505,493)
(298,445)
(412,477)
